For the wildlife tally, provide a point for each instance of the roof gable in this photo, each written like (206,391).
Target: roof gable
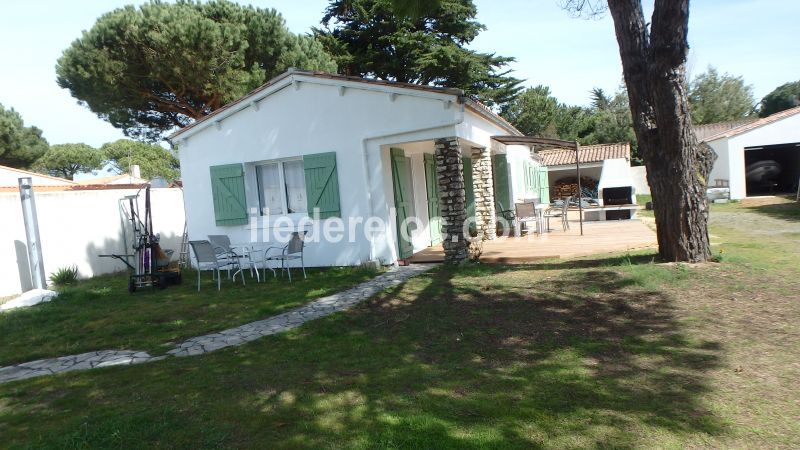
(755,124)
(28,173)
(707,130)
(293,76)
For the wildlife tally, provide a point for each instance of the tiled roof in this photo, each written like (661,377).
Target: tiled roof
(712,129)
(123,178)
(589,153)
(755,124)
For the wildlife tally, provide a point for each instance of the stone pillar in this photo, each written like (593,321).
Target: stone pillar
(450,178)
(483,184)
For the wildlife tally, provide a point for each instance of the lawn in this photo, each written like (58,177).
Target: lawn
(614,351)
(100,314)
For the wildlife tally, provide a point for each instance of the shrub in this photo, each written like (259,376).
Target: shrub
(475,249)
(64,276)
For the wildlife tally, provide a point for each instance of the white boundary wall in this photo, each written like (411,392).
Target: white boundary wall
(639,175)
(77,226)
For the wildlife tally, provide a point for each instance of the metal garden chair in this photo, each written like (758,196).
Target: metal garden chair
(208,259)
(559,212)
(527,213)
(292,251)
(222,246)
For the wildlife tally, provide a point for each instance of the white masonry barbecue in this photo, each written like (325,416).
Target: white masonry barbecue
(615,191)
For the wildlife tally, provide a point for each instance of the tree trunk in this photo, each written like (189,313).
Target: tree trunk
(654,65)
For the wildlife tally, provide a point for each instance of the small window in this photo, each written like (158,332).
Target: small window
(281,187)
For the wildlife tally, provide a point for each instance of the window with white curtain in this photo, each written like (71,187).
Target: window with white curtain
(295,181)
(281,187)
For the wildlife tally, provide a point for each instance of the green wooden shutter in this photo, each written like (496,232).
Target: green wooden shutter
(502,190)
(402,200)
(322,184)
(530,180)
(544,185)
(469,187)
(227,189)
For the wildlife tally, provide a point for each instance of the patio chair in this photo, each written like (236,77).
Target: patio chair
(505,219)
(222,246)
(290,252)
(559,211)
(526,213)
(208,259)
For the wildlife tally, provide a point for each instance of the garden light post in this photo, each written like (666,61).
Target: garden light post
(32,233)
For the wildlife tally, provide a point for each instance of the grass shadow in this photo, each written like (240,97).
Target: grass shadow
(784,211)
(455,358)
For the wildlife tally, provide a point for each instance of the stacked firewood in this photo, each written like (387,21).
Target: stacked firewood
(568,187)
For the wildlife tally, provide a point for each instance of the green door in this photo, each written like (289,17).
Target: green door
(434,209)
(502,189)
(402,201)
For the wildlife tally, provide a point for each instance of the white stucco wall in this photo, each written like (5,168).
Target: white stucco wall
(77,226)
(730,151)
(721,169)
(516,155)
(639,175)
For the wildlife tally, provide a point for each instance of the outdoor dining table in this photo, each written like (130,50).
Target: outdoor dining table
(540,210)
(248,251)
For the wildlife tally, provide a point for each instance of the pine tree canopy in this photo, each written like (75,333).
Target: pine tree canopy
(20,146)
(68,160)
(783,97)
(150,69)
(367,38)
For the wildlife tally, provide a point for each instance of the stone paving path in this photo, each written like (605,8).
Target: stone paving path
(228,338)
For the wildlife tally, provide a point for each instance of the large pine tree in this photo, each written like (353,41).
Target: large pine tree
(367,38)
(152,68)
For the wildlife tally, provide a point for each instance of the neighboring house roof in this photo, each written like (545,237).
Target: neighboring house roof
(707,130)
(113,180)
(19,173)
(755,124)
(589,153)
(245,100)
(75,187)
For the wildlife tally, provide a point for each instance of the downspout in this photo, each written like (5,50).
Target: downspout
(368,179)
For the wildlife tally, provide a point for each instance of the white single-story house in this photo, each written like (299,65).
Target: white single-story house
(369,152)
(758,157)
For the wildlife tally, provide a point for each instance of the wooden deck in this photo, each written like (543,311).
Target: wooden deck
(598,238)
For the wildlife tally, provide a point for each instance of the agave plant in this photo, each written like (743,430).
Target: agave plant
(64,276)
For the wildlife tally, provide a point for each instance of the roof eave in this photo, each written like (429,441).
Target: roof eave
(484,112)
(289,77)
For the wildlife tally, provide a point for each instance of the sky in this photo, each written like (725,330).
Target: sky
(756,39)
